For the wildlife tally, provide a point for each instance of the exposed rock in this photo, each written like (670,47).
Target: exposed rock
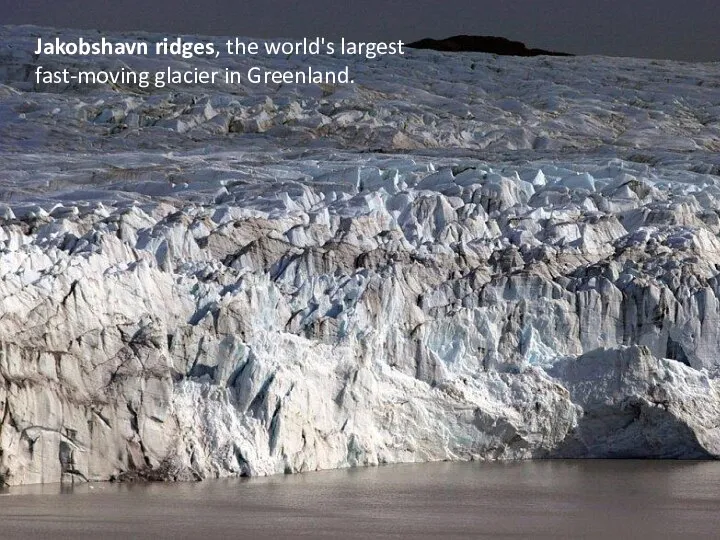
(485,44)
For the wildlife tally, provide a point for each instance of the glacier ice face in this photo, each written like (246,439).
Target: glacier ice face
(202,282)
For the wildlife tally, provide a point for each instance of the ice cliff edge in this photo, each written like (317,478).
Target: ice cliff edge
(202,282)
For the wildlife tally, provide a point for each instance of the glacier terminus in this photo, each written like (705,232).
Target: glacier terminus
(458,257)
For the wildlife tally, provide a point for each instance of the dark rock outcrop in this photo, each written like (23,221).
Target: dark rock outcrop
(486,44)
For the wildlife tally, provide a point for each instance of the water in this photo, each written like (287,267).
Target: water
(546,499)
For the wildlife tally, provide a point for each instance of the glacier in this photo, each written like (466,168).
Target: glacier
(460,257)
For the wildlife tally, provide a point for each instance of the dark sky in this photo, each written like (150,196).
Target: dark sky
(679,29)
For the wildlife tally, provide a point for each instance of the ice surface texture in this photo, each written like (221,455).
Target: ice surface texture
(460,257)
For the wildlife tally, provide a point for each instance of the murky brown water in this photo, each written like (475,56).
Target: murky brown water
(547,499)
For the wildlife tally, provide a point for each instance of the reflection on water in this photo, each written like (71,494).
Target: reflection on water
(551,499)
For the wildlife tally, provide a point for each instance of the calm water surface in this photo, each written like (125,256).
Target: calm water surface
(546,499)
